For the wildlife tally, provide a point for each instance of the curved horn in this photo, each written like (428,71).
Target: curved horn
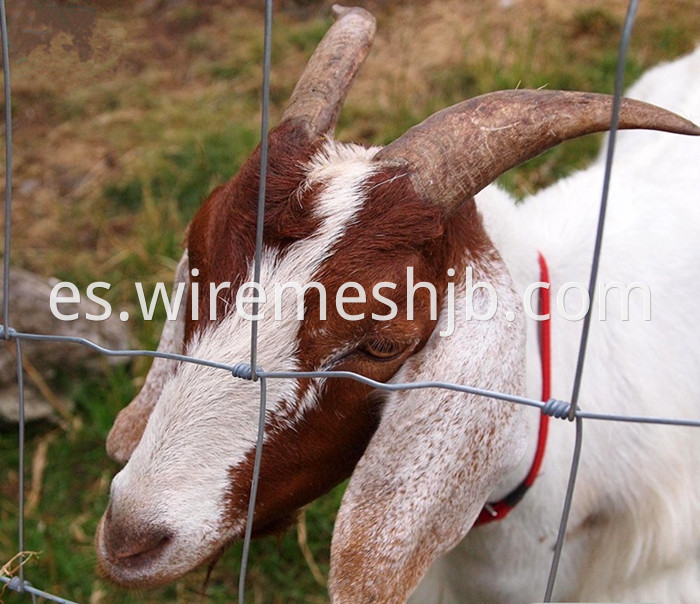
(456,152)
(322,88)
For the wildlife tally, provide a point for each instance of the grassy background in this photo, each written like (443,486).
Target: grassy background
(121,131)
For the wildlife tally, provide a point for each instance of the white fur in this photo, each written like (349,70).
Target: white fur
(434,457)
(639,483)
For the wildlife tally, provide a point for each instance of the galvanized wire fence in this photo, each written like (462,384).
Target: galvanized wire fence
(250,371)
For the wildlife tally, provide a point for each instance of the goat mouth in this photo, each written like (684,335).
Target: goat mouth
(159,562)
(138,557)
(137,565)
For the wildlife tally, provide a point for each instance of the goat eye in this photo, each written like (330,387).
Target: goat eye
(382,350)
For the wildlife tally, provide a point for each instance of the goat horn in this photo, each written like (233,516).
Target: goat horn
(322,88)
(455,153)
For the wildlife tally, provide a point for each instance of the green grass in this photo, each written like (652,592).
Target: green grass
(126,147)
(186,174)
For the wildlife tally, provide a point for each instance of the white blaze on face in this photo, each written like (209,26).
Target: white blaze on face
(205,421)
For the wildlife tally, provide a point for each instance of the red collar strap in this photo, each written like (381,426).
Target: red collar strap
(500,509)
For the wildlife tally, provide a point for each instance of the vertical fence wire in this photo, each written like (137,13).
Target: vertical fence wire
(8,167)
(595,263)
(253,491)
(260,223)
(6,283)
(597,248)
(20,468)
(259,228)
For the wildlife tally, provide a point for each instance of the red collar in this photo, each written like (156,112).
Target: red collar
(500,509)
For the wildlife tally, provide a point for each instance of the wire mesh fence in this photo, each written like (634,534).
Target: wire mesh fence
(14,575)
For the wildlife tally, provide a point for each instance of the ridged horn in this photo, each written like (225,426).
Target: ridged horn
(455,153)
(322,88)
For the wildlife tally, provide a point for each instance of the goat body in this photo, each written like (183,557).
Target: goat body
(424,462)
(634,529)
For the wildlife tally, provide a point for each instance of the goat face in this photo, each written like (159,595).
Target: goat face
(194,461)
(425,461)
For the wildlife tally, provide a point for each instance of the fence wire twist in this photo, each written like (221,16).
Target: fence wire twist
(250,371)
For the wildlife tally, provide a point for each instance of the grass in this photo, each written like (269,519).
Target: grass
(113,155)
(186,174)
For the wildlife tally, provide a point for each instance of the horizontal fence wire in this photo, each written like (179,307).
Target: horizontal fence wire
(23,586)
(552,407)
(568,410)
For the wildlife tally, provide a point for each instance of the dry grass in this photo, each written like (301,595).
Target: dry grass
(157,80)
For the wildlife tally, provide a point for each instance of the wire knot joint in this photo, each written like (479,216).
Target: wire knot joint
(243,371)
(557,408)
(7,333)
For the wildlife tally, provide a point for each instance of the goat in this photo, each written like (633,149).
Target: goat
(423,464)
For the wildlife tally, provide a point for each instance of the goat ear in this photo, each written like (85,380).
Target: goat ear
(130,423)
(432,463)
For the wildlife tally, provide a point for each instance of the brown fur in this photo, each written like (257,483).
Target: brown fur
(221,238)
(322,449)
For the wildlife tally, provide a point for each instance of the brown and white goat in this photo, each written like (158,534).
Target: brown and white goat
(422,463)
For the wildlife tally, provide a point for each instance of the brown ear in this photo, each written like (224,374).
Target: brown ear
(431,465)
(131,421)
